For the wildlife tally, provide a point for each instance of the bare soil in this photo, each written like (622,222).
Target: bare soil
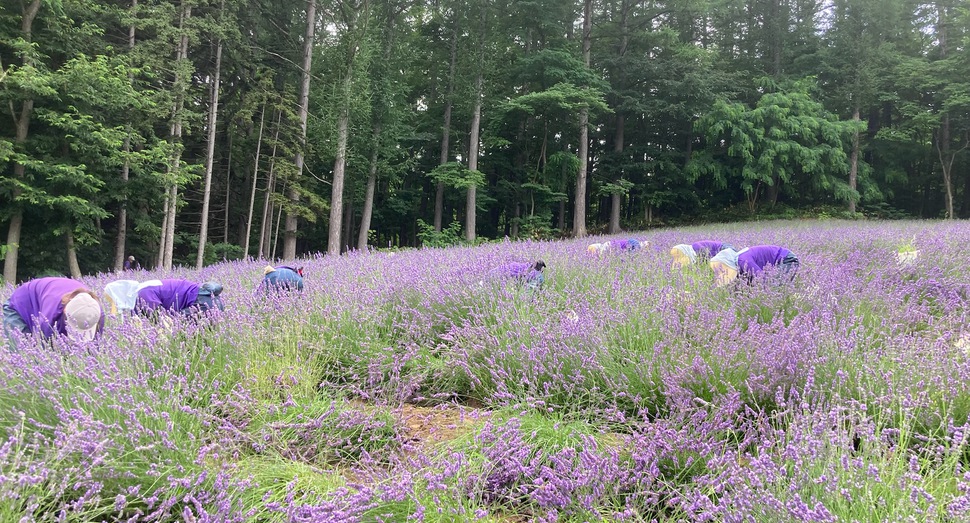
(429,426)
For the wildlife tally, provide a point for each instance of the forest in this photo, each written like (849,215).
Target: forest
(185,133)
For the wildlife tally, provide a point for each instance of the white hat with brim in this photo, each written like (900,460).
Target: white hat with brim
(83,314)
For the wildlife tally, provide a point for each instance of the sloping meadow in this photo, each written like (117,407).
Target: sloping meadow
(424,386)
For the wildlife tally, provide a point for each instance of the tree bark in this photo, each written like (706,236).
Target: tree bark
(289,235)
(470,198)
(72,264)
(943,135)
(439,196)
(516,215)
(266,225)
(22,125)
(616,198)
(579,214)
(854,159)
(167,243)
(339,166)
(947,155)
(122,235)
(225,216)
(252,194)
(334,243)
(276,235)
(210,153)
(348,225)
(368,210)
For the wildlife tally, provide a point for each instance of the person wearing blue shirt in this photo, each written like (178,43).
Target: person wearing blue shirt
(282,278)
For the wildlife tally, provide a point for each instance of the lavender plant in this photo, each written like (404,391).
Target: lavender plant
(623,390)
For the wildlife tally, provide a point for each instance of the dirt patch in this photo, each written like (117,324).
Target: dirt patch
(429,426)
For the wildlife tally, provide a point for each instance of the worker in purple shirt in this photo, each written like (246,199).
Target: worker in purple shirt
(629,244)
(179,296)
(753,261)
(685,254)
(626,245)
(54,306)
(528,273)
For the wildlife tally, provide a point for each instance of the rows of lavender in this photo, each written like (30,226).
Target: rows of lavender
(622,391)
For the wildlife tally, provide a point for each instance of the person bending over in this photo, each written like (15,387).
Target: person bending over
(684,254)
(746,264)
(179,296)
(282,278)
(54,306)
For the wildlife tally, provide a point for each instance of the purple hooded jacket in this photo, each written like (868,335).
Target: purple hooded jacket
(522,271)
(515,269)
(172,295)
(708,248)
(753,260)
(38,302)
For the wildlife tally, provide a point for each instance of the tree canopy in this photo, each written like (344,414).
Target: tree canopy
(277,128)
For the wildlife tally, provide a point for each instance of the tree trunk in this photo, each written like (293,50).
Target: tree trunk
(17,219)
(772,191)
(753,198)
(619,137)
(854,159)
(225,217)
(266,225)
(167,243)
(470,203)
(22,125)
(210,153)
(252,194)
(122,235)
(339,166)
(276,235)
(289,235)
(616,198)
(439,196)
(348,225)
(72,264)
(368,210)
(169,253)
(579,215)
(947,155)
(163,230)
(516,215)
(943,136)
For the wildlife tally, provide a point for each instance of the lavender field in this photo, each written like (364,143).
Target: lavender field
(418,386)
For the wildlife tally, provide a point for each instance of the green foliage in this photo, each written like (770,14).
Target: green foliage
(786,138)
(537,227)
(456,175)
(621,187)
(447,237)
(706,99)
(561,100)
(216,252)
